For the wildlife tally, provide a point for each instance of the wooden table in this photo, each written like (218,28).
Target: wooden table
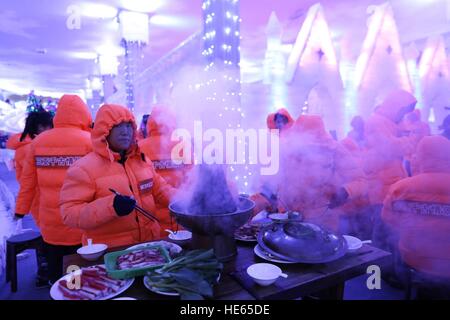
(324,281)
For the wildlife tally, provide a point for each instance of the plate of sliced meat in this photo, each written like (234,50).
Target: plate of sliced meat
(248,232)
(146,257)
(172,248)
(136,262)
(90,283)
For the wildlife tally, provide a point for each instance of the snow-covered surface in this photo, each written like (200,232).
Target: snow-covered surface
(7,225)
(12,119)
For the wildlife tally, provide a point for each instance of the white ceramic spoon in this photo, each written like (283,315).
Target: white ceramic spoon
(170,231)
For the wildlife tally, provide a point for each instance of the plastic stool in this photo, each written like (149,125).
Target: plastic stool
(15,245)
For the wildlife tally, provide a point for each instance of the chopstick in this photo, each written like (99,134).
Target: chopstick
(138,208)
(146,213)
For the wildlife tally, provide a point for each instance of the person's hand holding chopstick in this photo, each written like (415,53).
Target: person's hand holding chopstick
(124,205)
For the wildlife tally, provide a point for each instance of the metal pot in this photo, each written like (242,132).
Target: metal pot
(301,242)
(214,231)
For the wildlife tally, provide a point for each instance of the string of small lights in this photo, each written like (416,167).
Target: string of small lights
(132,53)
(222,53)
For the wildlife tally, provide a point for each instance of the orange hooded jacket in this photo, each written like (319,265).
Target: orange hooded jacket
(418,209)
(86,201)
(271,118)
(386,149)
(158,148)
(313,169)
(270,182)
(21,149)
(51,154)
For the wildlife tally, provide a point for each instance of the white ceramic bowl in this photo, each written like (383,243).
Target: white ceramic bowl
(181,235)
(264,274)
(92,252)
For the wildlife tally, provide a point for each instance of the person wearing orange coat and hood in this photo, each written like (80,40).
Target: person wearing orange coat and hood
(50,155)
(87,199)
(158,148)
(386,148)
(417,210)
(265,199)
(384,159)
(35,124)
(317,175)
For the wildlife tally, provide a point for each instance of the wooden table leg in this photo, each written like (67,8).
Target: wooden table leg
(332,293)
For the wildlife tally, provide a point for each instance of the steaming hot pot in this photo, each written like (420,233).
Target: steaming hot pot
(214,230)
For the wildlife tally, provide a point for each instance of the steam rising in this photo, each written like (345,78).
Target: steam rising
(211,194)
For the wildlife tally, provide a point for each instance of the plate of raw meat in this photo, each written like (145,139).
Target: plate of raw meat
(90,283)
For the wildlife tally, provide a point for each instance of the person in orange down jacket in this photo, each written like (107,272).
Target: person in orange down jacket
(116,163)
(265,199)
(417,210)
(35,124)
(386,148)
(158,148)
(317,177)
(50,155)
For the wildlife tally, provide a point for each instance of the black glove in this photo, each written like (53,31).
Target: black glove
(339,198)
(18,216)
(123,205)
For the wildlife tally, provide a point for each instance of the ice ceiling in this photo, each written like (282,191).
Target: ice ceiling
(39,52)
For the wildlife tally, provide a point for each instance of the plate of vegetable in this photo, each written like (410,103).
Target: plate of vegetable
(191,276)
